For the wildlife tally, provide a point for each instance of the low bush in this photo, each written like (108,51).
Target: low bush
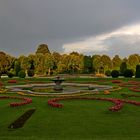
(22,74)
(10,75)
(108,73)
(115,73)
(128,73)
(30,73)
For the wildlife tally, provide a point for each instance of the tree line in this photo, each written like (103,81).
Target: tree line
(44,62)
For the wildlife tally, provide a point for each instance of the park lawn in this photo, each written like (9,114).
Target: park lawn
(77,120)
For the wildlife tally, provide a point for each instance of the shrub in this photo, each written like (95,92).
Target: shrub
(128,73)
(115,73)
(108,73)
(123,67)
(30,73)
(22,74)
(137,71)
(10,74)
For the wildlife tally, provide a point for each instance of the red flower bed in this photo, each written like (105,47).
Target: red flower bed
(118,102)
(130,84)
(135,89)
(12,81)
(116,81)
(1,84)
(14,104)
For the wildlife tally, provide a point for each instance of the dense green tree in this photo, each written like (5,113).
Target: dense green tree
(31,59)
(115,73)
(43,49)
(57,58)
(24,63)
(63,65)
(106,62)
(97,64)
(88,64)
(128,73)
(123,68)
(116,62)
(137,71)
(17,67)
(39,64)
(74,63)
(6,62)
(133,60)
(49,63)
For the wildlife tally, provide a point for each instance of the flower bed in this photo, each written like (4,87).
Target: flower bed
(22,119)
(1,84)
(129,84)
(135,88)
(12,81)
(14,104)
(118,102)
(116,81)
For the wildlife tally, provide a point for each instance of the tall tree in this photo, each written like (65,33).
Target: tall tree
(6,62)
(116,62)
(106,62)
(97,64)
(17,67)
(137,71)
(133,60)
(24,63)
(39,64)
(88,64)
(49,63)
(57,58)
(43,49)
(75,62)
(123,68)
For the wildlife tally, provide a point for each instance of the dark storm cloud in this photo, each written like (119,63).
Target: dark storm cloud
(26,23)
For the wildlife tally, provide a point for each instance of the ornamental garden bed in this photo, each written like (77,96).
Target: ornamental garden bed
(22,119)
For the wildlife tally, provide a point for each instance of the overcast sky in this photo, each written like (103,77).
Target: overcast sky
(86,26)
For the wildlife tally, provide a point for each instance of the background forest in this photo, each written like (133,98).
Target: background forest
(44,62)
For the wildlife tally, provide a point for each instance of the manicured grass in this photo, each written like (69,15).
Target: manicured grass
(77,120)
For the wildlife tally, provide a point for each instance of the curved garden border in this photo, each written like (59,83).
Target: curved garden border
(118,102)
(14,104)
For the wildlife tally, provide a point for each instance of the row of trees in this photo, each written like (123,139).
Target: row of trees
(43,62)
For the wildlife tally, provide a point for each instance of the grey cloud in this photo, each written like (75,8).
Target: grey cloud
(25,23)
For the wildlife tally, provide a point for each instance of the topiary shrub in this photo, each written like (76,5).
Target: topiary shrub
(137,71)
(128,73)
(22,74)
(108,73)
(30,73)
(115,73)
(10,74)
